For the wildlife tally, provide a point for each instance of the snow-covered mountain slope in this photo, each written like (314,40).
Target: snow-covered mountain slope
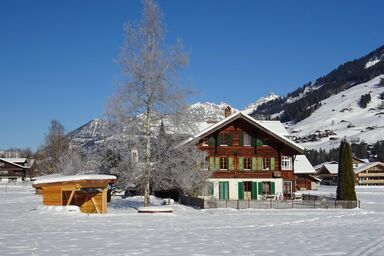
(253,106)
(98,133)
(210,112)
(341,116)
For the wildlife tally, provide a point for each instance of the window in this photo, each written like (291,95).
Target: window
(247,163)
(223,163)
(247,139)
(223,139)
(287,187)
(266,163)
(266,188)
(286,163)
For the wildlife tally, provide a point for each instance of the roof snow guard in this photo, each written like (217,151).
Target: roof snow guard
(249,119)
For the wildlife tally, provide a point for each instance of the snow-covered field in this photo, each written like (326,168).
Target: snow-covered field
(26,228)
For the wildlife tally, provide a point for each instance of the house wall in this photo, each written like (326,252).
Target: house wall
(234,186)
(374,176)
(11,173)
(271,148)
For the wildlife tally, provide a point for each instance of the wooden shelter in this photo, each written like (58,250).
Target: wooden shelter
(88,192)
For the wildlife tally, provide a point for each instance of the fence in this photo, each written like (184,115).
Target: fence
(268,204)
(4,186)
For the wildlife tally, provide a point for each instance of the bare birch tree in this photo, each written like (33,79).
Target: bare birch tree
(55,145)
(149,92)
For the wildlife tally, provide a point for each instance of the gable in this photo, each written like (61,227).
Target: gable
(240,122)
(4,164)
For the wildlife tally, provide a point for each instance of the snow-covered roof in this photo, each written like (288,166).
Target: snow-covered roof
(303,166)
(275,126)
(16,160)
(364,167)
(251,120)
(8,160)
(54,179)
(332,167)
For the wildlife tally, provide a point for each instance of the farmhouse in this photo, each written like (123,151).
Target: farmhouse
(305,174)
(248,159)
(88,192)
(15,169)
(370,174)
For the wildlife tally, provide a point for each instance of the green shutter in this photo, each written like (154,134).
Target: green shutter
(218,139)
(253,141)
(241,190)
(260,187)
(272,188)
(241,139)
(212,163)
(254,190)
(259,142)
(221,190)
(230,139)
(272,163)
(217,163)
(241,163)
(211,141)
(230,164)
(254,163)
(260,163)
(224,190)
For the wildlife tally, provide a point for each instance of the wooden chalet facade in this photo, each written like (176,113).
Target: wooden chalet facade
(370,174)
(248,160)
(14,169)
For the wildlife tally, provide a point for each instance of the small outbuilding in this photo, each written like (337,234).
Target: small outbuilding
(88,192)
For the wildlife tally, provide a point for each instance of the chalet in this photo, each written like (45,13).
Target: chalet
(14,169)
(327,172)
(370,174)
(248,159)
(305,174)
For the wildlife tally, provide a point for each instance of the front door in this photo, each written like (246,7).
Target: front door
(248,190)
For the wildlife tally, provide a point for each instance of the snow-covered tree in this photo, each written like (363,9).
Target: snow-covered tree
(182,168)
(149,92)
(71,163)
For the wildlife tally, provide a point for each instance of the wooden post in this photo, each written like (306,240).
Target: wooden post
(70,197)
(104,201)
(94,203)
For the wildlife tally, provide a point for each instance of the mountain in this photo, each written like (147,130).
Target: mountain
(301,103)
(318,114)
(99,134)
(343,116)
(251,108)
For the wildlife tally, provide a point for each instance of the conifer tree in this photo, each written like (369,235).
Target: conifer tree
(346,177)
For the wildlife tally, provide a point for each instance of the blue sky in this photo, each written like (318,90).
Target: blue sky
(57,58)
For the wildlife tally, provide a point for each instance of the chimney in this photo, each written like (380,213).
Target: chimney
(227,111)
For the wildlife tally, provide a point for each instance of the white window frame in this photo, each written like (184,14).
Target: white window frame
(286,163)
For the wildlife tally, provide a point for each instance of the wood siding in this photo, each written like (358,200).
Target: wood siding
(271,148)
